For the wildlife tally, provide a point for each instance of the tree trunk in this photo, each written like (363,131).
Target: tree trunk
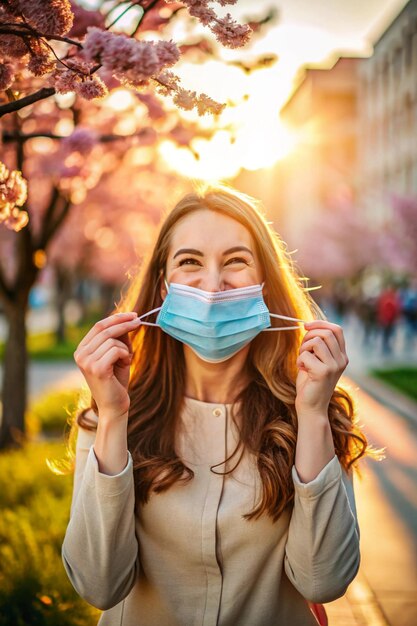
(12,427)
(63,293)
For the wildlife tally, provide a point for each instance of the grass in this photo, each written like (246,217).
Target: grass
(404,379)
(34,503)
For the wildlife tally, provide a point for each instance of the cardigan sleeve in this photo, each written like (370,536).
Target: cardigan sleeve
(100,549)
(322,553)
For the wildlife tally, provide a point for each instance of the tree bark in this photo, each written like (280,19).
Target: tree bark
(14,391)
(63,293)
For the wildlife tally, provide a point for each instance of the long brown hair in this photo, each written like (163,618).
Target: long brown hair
(268,417)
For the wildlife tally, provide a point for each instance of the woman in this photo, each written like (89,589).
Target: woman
(215,487)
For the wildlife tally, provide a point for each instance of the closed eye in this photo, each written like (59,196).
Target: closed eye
(238,260)
(185,261)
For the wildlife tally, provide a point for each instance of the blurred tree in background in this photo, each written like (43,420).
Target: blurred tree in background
(83,109)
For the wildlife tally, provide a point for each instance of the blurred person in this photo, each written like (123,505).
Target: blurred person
(408,297)
(366,309)
(214,469)
(388,311)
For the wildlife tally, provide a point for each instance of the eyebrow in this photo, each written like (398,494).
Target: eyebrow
(199,253)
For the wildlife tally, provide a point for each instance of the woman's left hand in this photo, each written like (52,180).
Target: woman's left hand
(321,361)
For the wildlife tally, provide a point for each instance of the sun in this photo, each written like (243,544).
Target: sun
(248,134)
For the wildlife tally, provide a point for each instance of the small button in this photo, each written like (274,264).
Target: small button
(217,412)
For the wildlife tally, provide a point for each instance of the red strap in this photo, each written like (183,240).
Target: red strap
(319,613)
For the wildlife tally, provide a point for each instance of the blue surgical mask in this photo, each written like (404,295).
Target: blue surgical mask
(215,325)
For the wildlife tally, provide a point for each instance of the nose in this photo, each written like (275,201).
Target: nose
(212,282)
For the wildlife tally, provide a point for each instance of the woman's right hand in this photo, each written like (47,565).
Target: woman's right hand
(104,356)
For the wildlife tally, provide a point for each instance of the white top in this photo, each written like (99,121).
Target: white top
(189,558)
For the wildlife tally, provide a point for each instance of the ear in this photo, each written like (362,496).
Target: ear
(162,288)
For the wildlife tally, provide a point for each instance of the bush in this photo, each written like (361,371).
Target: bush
(50,412)
(34,588)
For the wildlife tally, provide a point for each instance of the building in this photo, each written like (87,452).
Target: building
(387,117)
(323,111)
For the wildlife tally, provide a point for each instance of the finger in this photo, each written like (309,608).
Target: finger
(107,322)
(102,349)
(330,339)
(117,330)
(311,364)
(103,368)
(335,328)
(319,347)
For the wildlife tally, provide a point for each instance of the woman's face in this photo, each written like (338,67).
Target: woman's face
(213,252)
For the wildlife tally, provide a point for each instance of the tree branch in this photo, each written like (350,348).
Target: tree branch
(5,30)
(54,226)
(145,11)
(10,137)
(16,105)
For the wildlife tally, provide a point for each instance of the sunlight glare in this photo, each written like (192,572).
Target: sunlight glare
(120,100)
(210,166)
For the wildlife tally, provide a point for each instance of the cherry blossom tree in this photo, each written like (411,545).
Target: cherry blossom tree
(58,64)
(338,243)
(398,240)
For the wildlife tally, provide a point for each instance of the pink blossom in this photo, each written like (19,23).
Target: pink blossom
(41,64)
(145,62)
(6,75)
(229,33)
(65,81)
(167,81)
(91,88)
(168,53)
(47,16)
(16,220)
(95,42)
(4,173)
(204,13)
(81,140)
(185,99)
(118,53)
(16,188)
(129,60)
(13,194)
(205,104)
(12,47)
(79,65)
(223,3)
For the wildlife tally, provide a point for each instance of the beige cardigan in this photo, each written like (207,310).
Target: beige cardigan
(189,558)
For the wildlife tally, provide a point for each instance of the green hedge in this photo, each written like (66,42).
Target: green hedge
(34,504)
(404,379)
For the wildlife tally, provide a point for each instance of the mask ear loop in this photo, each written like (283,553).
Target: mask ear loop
(153,311)
(149,313)
(284,317)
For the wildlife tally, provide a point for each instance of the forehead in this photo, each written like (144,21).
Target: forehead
(209,230)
